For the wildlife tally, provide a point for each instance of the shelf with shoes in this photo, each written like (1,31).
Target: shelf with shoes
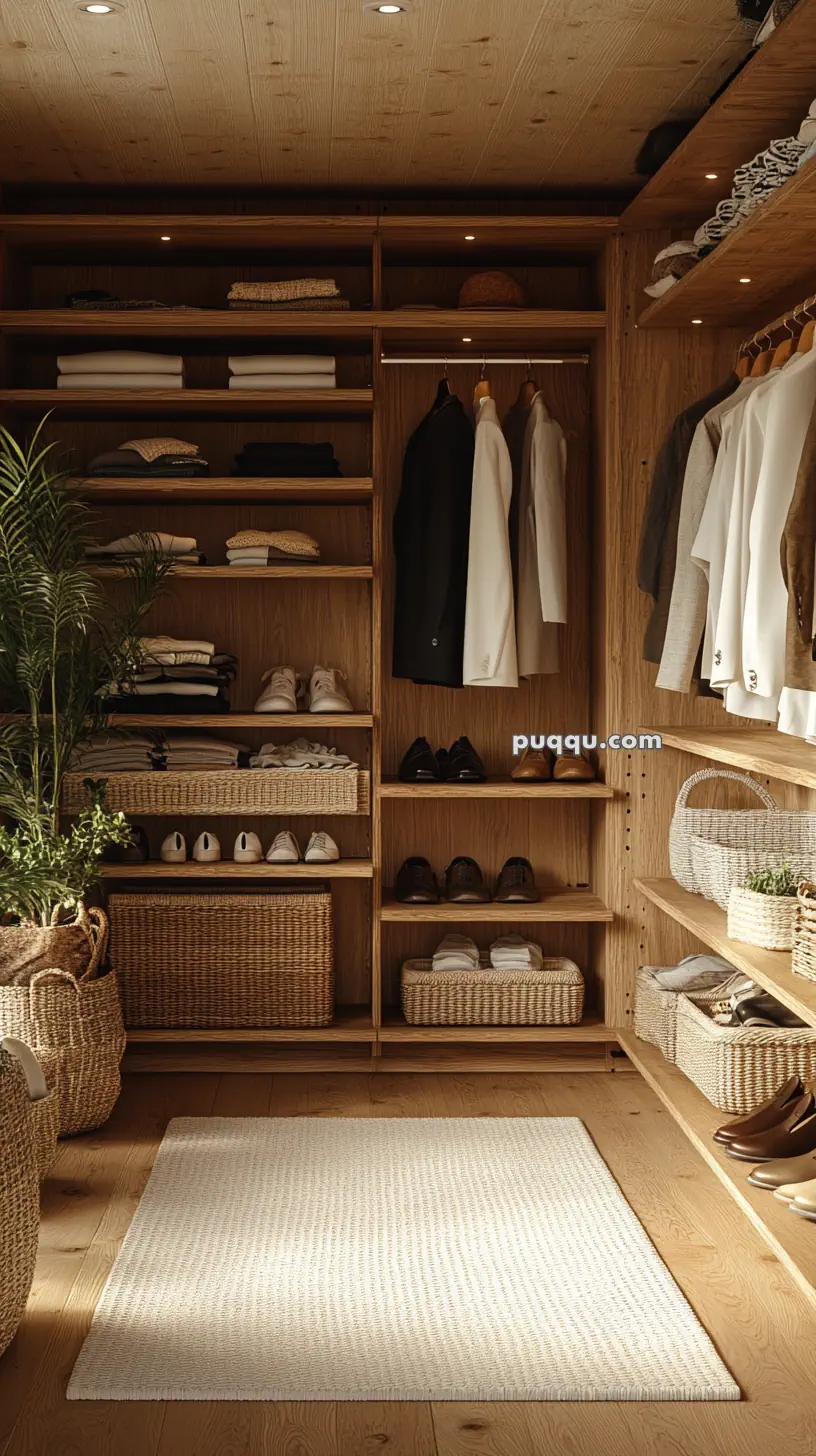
(792,1239)
(342,869)
(494,789)
(556,905)
(759,750)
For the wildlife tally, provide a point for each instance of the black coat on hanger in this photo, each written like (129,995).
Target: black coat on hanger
(431,536)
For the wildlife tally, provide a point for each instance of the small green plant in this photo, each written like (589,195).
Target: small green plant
(772,882)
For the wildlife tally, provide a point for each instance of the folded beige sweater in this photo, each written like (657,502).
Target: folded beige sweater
(120,361)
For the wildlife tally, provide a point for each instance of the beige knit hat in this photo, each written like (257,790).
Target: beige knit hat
(295,543)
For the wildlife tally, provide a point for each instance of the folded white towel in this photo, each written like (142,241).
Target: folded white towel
(514,953)
(456,953)
(282,381)
(281,363)
(120,361)
(172,688)
(137,543)
(151,647)
(120,381)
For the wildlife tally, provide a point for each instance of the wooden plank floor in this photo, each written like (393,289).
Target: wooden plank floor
(758,1319)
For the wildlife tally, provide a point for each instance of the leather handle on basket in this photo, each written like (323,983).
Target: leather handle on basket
(725,773)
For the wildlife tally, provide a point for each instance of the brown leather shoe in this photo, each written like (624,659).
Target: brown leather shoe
(464,883)
(573,768)
(516,883)
(792,1137)
(804,1202)
(768,1114)
(771,1176)
(416,882)
(535,766)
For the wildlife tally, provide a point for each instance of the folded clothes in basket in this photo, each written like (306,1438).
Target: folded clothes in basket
(456,953)
(198,751)
(300,754)
(694,973)
(514,953)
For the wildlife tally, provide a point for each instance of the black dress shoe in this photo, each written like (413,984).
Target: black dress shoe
(416,882)
(464,883)
(136,852)
(461,764)
(419,765)
(516,883)
(765,1010)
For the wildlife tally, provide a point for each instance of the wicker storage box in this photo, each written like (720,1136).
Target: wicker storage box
(803,960)
(552,996)
(738,1067)
(224,960)
(19,1198)
(739,840)
(235,791)
(656,1009)
(766,920)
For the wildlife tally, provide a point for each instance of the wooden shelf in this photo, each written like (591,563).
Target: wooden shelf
(235,488)
(342,869)
(252,573)
(554,330)
(396,1029)
(771,968)
(205,323)
(792,1239)
(351,1023)
(188,230)
(312,1056)
(773,247)
(759,750)
(556,905)
(175,403)
(240,720)
(494,789)
(437,235)
(543,1057)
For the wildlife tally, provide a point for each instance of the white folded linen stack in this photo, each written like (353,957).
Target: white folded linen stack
(191,751)
(300,754)
(105,753)
(456,953)
(282,371)
(120,369)
(514,953)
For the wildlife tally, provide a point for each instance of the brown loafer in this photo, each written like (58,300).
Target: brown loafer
(573,768)
(516,883)
(464,882)
(416,882)
(534,766)
(784,1170)
(768,1114)
(792,1137)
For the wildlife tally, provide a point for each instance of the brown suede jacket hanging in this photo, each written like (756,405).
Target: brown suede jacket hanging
(798,555)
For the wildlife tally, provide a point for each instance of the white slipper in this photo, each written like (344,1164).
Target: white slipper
(247,849)
(174,849)
(206,848)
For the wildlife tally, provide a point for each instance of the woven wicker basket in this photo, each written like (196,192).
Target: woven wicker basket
(78,947)
(757,836)
(19,1198)
(721,868)
(220,960)
(656,1009)
(766,920)
(234,791)
(737,1068)
(552,996)
(803,960)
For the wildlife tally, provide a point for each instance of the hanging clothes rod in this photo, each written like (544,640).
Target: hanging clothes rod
(793,316)
(483,359)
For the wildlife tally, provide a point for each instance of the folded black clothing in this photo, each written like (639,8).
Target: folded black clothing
(292,470)
(167,703)
(89,295)
(288,447)
(192,469)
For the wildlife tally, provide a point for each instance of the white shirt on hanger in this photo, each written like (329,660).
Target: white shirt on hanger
(490,632)
(542,547)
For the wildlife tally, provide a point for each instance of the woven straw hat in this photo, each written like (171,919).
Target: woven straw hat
(492,290)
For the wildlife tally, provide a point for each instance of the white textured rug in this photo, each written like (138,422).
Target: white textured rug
(390,1259)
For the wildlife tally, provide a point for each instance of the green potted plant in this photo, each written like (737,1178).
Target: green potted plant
(61,643)
(762,911)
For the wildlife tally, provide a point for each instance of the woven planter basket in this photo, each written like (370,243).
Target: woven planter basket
(656,1009)
(199,960)
(26,949)
(19,1198)
(552,996)
(766,920)
(760,838)
(803,960)
(737,1068)
(235,791)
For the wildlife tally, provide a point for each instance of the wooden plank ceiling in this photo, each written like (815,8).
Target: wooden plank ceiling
(461,93)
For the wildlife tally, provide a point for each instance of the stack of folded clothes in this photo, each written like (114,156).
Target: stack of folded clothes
(456,953)
(105,753)
(184,751)
(182,550)
(287,459)
(120,369)
(282,371)
(177,675)
(260,548)
(300,753)
(514,953)
(302,294)
(158,458)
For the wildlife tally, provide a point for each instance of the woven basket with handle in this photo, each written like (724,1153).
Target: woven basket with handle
(738,1067)
(740,840)
(19,1198)
(552,996)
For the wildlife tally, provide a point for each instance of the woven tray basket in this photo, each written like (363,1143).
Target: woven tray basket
(19,1198)
(803,960)
(766,920)
(234,791)
(200,960)
(656,1009)
(737,1068)
(760,838)
(552,996)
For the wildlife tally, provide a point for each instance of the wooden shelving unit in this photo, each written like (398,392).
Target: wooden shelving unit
(242,720)
(350,1024)
(225,869)
(233,489)
(757,750)
(494,789)
(178,403)
(564,906)
(396,1029)
(253,573)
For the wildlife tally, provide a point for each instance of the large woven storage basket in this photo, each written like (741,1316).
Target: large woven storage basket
(44,1115)
(234,791)
(738,1067)
(224,960)
(656,1009)
(803,960)
(552,996)
(741,840)
(19,1198)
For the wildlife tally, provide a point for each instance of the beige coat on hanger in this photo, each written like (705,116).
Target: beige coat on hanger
(490,631)
(542,577)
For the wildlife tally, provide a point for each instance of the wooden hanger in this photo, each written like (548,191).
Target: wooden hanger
(528,390)
(762,363)
(484,388)
(783,351)
(808,333)
(744,360)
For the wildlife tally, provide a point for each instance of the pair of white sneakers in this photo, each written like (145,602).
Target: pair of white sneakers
(248,849)
(285,849)
(283,686)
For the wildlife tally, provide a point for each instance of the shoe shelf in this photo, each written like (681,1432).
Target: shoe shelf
(759,750)
(175,403)
(252,573)
(494,789)
(341,869)
(241,720)
(592,1029)
(792,1239)
(235,489)
(771,968)
(768,99)
(555,905)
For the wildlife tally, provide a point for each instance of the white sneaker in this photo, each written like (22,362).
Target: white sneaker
(206,848)
(321,849)
(324,694)
(247,849)
(174,849)
(280,693)
(284,849)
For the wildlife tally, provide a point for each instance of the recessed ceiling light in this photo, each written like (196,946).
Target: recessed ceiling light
(696,321)
(470,237)
(385,9)
(466,340)
(711,176)
(108,8)
(165,238)
(745,280)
